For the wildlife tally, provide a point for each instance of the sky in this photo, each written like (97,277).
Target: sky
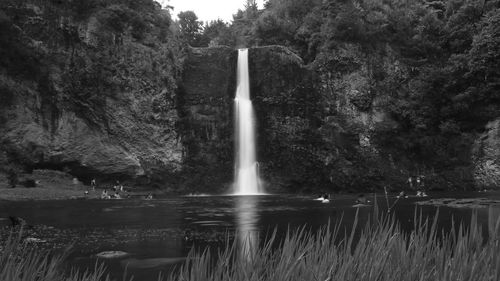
(208,10)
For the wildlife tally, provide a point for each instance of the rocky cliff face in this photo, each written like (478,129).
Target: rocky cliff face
(315,130)
(84,95)
(205,102)
(286,105)
(486,156)
(288,115)
(112,94)
(354,114)
(330,126)
(361,92)
(365,94)
(302,144)
(56,137)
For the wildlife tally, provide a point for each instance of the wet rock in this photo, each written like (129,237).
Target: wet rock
(206,100)
(112,254)
(35,240)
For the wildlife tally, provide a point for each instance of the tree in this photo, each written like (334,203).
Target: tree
(251,9)
(272,30)
(484,59)
(216,33)
(190,27)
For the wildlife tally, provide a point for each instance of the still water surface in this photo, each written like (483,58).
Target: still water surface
(158,234)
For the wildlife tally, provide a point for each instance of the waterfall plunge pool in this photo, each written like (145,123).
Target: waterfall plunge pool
(156,235)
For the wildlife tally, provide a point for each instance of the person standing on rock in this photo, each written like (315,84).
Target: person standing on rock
(93,184)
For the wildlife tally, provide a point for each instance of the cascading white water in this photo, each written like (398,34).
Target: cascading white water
(247,180)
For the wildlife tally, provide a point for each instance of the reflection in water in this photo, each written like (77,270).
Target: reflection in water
(247,220)
(494,221)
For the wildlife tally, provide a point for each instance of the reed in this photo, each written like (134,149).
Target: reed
(379,251)
(20,261)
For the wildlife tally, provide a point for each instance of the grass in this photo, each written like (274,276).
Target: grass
(379,250)
(20,261)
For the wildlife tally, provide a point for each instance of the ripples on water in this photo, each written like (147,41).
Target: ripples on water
(157,234)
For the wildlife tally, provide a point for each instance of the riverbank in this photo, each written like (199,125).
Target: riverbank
(65,193)
(45,185)
(41,193)
(58,185)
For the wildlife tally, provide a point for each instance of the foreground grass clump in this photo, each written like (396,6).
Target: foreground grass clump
(380,251)
(21,261)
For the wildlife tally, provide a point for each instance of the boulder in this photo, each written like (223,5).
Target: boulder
(112,254)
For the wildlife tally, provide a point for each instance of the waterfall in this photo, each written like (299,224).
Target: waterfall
(246,174)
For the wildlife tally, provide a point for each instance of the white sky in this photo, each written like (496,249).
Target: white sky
(208,10)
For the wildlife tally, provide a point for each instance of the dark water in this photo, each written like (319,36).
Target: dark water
(158,234)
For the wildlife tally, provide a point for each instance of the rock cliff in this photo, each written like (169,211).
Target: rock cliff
(112,93)
(86,96)
(288,115)
(205,102)
(486,156)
